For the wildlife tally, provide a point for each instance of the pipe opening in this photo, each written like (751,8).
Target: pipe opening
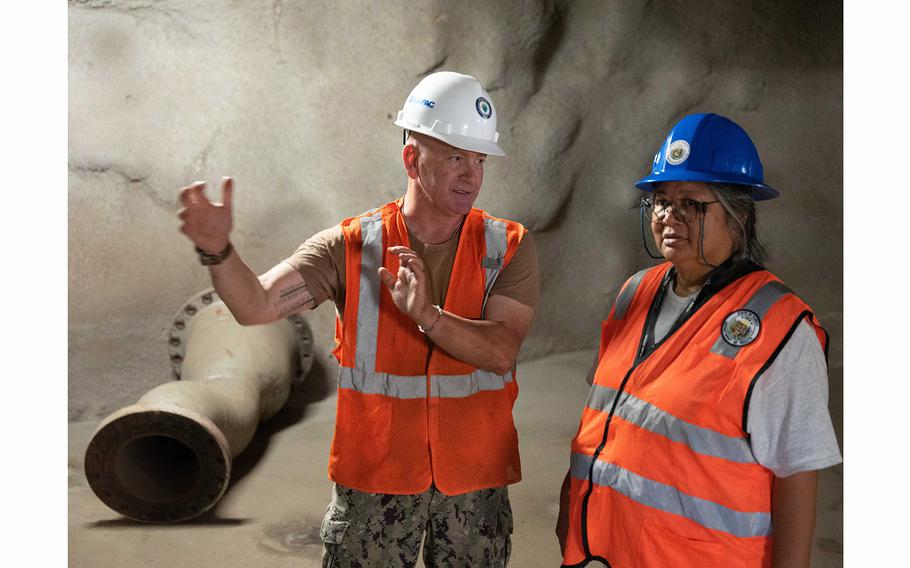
(157,468)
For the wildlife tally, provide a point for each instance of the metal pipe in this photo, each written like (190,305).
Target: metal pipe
(167,458)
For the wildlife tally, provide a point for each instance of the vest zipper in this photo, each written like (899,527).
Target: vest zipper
(584,503)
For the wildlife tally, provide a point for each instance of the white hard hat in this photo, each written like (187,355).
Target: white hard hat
(453,108)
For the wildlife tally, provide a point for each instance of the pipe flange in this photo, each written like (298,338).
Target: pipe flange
(304,344)
(176,337)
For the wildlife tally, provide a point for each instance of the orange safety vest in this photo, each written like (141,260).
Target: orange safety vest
(409,414)
(662,473)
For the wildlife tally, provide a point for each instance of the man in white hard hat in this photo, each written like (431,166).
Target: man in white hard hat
(434,299)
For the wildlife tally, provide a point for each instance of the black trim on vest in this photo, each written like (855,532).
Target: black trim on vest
(587,561)
(827,340)
(768,363)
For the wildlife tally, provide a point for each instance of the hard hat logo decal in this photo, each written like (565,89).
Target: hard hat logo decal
(677,152)
(425,102)
(484,108)
(741,328)
(723,153)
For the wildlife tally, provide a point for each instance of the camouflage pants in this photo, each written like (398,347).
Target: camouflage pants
(362,530)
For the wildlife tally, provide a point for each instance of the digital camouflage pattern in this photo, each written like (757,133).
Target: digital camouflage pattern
(363,530)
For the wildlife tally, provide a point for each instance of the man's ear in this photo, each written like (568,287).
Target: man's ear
(409,155)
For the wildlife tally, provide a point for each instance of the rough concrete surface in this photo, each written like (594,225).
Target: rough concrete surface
(296,100)
(271,513)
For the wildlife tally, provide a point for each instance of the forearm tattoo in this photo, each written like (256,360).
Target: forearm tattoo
(293,298)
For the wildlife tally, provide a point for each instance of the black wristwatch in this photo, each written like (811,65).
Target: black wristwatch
(207,259)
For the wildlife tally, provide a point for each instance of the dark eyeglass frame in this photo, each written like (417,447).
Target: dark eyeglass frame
(676,207)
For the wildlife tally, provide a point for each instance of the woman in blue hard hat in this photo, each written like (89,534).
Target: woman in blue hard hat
(707,420)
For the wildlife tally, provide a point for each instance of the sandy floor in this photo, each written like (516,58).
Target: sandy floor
(271,514)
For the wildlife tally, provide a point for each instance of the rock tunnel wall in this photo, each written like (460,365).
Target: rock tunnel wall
(296,101)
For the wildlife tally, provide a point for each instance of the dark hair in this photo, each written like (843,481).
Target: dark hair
(740,215)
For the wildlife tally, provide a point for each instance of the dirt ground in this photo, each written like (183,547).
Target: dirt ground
(271,513)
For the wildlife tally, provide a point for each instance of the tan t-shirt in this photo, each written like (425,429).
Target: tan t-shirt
(320,260)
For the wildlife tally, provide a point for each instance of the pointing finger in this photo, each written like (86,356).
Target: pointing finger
(414,266)
(185,197)
(417,271)
(401,250)
(413,263)
(197,192)
(227,192)
(405,259)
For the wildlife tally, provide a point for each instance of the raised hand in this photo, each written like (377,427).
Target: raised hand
(408,287)
(207,224)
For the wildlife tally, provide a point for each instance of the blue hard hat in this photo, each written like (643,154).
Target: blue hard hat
(709,148)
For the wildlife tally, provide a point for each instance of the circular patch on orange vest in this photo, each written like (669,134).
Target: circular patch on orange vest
(741,328)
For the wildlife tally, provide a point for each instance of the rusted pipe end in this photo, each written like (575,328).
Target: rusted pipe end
(158,464)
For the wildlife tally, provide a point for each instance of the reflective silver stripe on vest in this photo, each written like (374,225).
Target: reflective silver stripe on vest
(760,303)
(495,235)
(645,415)
(368,304)
(410,387)
(671,500)
(396,386)
(460,386)
(625,297)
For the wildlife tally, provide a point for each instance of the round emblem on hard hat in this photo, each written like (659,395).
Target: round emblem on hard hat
(741,328)
(677,152)
(484,108)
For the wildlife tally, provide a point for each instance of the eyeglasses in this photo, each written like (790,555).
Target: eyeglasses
(684,210)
